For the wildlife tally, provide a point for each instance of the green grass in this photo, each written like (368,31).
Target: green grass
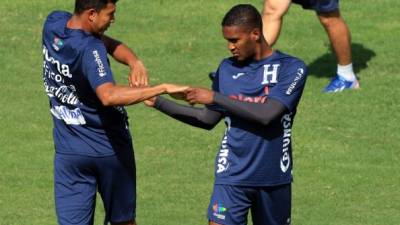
(346,146)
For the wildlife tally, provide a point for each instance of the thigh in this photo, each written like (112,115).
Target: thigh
(117,187)
(74,189)
(229,205)
(272,206)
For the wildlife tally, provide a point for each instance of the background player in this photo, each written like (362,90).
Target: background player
(335,26)
(92,140)
(256,91)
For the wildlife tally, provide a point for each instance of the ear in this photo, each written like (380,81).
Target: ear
(92,14)
(256,34)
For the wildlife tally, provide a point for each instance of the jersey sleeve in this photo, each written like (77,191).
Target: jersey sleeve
(216,88)
(95,65)
(290,85)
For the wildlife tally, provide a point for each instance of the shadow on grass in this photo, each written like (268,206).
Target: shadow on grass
(325,65)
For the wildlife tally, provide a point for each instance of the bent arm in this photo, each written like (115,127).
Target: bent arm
(254,112)
(125,55)
(119,51)
(198,117)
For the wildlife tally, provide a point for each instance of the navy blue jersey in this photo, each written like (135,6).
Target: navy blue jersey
(75,64)
(251,154)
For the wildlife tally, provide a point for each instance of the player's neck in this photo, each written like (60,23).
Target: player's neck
(263,50)
(77,23)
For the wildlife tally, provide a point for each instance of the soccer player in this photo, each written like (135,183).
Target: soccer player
(91,136)
(339,35)
(256,91)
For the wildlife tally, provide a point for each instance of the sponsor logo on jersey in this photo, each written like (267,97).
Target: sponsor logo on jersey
(62,69)
(218,210)
(100,65)
(238,75)
(70,116)
(65,94)
(222,161)
(243,98)
(222,157)
(253,99)
(287,133)
(299,75)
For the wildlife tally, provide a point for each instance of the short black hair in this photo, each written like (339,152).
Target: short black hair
(243,15)
(82,5)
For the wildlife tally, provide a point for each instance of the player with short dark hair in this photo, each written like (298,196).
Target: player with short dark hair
(339,35)
(245,16)
(93,144)
(82,5)
(256,91)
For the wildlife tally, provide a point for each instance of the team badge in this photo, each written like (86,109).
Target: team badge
(57,43)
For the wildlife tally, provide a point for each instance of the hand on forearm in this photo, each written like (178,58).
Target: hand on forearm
(138,75)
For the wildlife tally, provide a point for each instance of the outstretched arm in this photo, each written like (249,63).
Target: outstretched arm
(123,54)
(113,95)
(198,117)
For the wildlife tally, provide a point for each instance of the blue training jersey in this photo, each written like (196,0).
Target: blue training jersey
(251,154)
(75,64)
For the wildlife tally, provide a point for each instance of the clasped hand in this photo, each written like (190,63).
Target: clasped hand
(192,95)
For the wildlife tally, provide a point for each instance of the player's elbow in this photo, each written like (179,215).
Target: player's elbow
(106,94)
(106,100)
(265,122)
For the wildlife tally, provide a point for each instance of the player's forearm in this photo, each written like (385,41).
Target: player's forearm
(125,55)
(120,52)
(198,117)
(123,95)
(262,113)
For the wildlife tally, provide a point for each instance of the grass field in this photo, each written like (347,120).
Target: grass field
(346,146)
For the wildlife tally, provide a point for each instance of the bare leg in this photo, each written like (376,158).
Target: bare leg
(213,223)
(339,35)
(272,16)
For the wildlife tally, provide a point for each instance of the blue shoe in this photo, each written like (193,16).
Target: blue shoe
(339,84)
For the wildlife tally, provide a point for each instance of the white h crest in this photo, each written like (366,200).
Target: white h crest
(273,73)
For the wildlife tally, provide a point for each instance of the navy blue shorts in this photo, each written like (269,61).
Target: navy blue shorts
(229,205)
(78,178)
(320,6)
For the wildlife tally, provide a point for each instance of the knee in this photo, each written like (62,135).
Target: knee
(273,12)
(330,19)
